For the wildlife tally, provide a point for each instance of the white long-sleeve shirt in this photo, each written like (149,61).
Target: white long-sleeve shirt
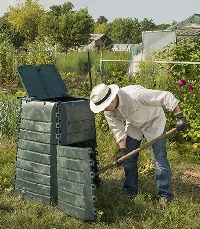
(140,113)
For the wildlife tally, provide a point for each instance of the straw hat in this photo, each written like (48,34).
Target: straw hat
(102,96)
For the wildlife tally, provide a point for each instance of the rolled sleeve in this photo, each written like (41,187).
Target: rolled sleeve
(158,98)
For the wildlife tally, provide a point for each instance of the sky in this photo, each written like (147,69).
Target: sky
(160,11)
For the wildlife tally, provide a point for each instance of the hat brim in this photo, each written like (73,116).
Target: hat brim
(98,108)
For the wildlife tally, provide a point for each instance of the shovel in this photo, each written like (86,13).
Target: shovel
(114,163)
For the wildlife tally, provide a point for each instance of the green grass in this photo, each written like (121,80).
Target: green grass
(114,210)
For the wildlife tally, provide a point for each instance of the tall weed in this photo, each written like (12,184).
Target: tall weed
(9,112)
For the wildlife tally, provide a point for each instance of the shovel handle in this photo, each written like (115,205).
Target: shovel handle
(114,163)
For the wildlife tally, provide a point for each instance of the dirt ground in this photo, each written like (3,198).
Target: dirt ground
(189,181)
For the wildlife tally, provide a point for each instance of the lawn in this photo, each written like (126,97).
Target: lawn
(114,210)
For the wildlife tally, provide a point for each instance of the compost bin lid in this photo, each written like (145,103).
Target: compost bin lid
(42,81)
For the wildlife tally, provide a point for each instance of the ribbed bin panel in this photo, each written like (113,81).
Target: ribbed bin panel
(36,146)
(75,182)
(38,121)
(38,137)
(36,126)
(77,122)
(42,111)
(36,171)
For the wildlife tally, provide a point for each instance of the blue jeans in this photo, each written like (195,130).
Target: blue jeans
(161,164)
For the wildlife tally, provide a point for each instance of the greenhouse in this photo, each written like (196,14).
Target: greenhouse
(156,40)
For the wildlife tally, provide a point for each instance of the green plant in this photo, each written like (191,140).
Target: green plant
(9,111)
(10,59)
(185,79)
(7,162)
(114,68)
(180,79)
(8,62)
(38,53)
(76,62)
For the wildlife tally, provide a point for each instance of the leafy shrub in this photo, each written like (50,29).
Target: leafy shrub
(9,111)
(114,68)
(180,79)
(39,53)
(10,59)
(76,62)
(8,62)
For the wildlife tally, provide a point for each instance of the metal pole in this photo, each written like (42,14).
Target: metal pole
(89,71)
(101,63)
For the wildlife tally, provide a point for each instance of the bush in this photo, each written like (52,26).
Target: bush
(8,62)
(9,112)
(10,59)
(185,79)
(114,68)
(76,62)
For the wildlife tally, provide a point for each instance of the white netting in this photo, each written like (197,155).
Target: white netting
(151,41)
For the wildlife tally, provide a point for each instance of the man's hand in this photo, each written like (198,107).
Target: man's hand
(122,152)
(181,122)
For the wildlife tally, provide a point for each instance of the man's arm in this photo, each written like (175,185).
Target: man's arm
(158,98)
(122,143)
(177,110)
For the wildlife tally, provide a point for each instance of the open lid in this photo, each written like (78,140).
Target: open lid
(42,82)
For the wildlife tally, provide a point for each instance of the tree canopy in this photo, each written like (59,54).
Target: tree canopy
(67,27)
(25,18)
(61,24)
(128,30)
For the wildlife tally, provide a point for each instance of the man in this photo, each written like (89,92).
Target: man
(134,112)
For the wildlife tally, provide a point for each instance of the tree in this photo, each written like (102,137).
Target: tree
(100,28)
(102,20)
(48,27)
(67,27)
(10,33)
(58,10)
(83,25)
(147,25)
(25,18)
(136,34)
(162,26)
(124,30)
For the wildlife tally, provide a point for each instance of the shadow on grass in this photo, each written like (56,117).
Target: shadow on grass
(6,208)
(116,207)
(186,189)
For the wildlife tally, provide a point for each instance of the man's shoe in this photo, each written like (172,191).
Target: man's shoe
(164,201)
(130,194)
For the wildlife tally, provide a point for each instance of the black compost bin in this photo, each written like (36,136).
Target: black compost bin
(56,157)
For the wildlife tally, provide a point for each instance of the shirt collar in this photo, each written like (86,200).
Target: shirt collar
(120,102)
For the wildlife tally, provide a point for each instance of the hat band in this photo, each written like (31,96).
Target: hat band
(104,99)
